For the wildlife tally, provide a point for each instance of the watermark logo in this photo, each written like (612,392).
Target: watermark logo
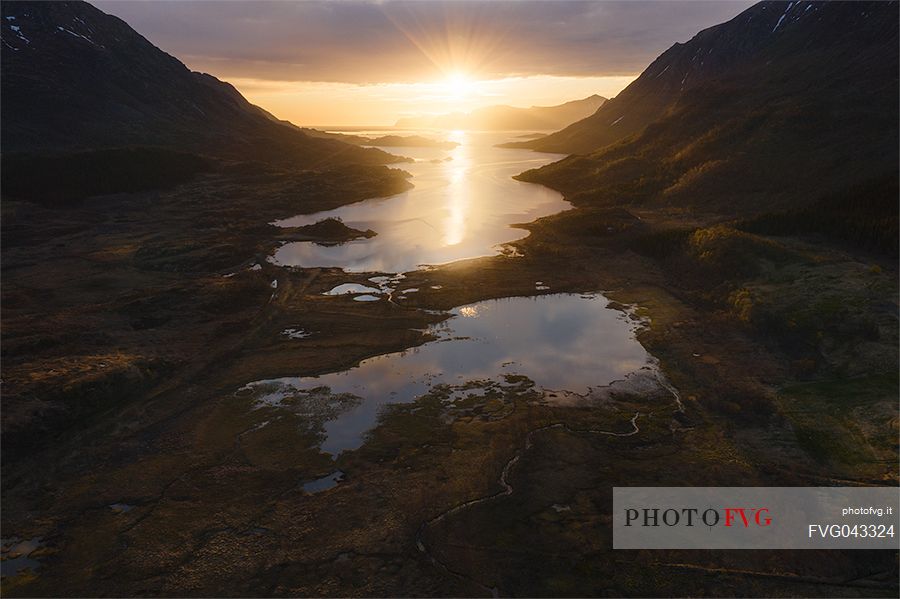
(755,517)
(734,516)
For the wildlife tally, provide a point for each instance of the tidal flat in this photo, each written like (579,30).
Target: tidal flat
(126,347)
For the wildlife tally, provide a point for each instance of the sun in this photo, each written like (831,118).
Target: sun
(459,86)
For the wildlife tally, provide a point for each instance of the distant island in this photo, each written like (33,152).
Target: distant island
(328,231)
(510,118)
(411,141)
(384,141)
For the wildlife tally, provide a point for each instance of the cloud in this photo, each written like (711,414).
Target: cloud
(367,42)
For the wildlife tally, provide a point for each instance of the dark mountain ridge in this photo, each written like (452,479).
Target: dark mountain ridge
(75,78)
(510,118)
(786,106)
(771,50)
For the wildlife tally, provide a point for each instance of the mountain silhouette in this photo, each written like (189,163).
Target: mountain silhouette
(509,118)
(821,56)
(789,106)
(75,78)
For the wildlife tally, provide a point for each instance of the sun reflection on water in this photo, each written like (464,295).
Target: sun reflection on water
(461,206)
(469,311)
(458,196)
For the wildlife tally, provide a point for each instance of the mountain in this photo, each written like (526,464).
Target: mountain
(776,41)
(384,141)
(509,118)
(75,78)
(786,105)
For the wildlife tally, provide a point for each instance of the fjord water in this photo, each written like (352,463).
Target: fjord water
(462,206)
(560,342)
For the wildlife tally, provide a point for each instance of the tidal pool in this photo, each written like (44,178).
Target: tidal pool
(460,208)
(15,556)
(559,341)
(324,483)
(350,288)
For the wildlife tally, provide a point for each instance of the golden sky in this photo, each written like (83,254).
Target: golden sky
(358,62)
(349,104)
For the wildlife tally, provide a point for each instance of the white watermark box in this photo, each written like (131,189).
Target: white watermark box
(756,517)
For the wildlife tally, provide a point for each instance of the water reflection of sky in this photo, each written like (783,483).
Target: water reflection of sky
(460,208)
(560,341)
